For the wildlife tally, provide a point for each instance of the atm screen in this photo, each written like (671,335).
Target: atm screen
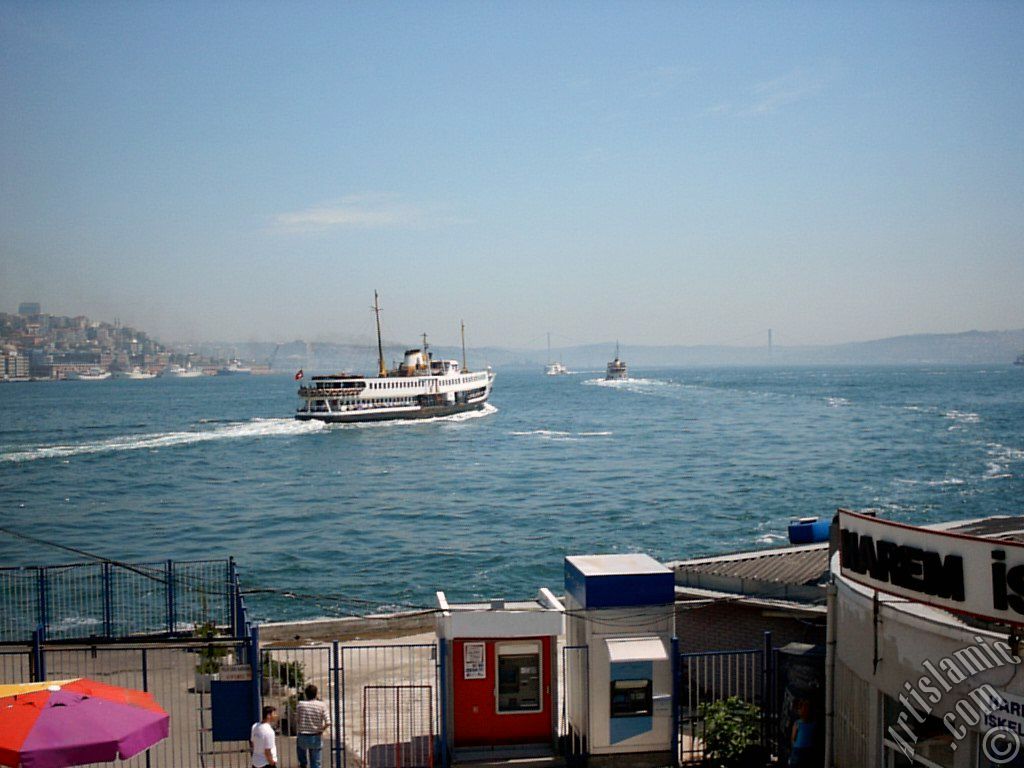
(519,683)
(631,698)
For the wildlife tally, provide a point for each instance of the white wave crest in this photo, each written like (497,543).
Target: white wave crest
(551,434)
(627,383)
(962,417)
(1000,458)
(933,483)
(246,429)
(837,402)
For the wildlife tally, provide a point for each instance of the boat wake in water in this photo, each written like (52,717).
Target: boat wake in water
(631,385)
(229,431)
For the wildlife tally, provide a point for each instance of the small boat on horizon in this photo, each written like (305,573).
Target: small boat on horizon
(616,370)
(554,368)
(1019,360)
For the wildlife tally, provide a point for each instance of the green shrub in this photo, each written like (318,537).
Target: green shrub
(732,731)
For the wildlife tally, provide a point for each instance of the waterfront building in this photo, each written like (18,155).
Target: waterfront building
(924,644)
(15,365)
(29,308)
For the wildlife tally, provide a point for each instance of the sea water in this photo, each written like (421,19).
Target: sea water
(351,519)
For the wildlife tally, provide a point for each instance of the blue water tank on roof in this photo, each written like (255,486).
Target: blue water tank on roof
(809,530)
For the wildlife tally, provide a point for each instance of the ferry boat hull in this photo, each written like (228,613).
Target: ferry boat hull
(420,412)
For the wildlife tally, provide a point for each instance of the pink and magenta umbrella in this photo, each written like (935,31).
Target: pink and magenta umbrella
(75,722)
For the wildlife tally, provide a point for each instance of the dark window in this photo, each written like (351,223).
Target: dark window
(519,683)
(631,698)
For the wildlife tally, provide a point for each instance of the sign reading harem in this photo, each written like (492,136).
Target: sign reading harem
(966,574)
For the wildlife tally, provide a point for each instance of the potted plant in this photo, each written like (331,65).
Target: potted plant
(210,658)
(280,676)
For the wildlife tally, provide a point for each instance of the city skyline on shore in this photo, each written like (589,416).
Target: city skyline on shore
(661,174)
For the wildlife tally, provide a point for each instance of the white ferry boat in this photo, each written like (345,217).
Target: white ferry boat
(616,368)
(419,388)
(234,368)
(93,374)
(177,372)
(554,368)
(135,374)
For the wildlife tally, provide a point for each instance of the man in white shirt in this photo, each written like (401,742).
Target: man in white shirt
(263,740)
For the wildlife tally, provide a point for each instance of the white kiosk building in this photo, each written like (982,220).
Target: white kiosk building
(620,625)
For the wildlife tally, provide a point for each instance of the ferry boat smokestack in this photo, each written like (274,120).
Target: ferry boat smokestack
(465,368)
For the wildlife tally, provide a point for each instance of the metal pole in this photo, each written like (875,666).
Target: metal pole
(256,662)
(767,694)
(230,595)
(169,576)
(38,659)
(337,707)
(145,687)
(675,701)
(442,657)
(830,671)
(41,586)
(344,754)
(107,602)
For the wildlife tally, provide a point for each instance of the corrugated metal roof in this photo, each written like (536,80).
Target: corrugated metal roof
(798,566)
(1009,528)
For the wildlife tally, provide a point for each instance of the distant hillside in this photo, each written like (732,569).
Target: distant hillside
(971,347)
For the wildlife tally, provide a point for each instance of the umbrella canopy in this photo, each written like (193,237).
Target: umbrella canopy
(75,722)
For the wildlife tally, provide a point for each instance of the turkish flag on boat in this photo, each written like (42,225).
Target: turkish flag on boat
(298,375)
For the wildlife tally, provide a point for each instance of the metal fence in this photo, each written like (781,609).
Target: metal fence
(389,696)
(286,671)
(168,670)
(113,600)
(383,700)
(708,677)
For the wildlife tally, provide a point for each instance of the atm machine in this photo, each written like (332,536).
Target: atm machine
(501,686)
(620,627)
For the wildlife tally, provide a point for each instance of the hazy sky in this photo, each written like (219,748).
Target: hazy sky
(658,172)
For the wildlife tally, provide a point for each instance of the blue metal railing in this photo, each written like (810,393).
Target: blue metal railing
(112,600)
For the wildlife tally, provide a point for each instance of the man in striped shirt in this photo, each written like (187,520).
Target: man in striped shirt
(311,720)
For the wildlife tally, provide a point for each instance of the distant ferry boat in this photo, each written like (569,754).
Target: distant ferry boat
(554,368)
(616,368)
(177,372)
(93,374)
(234,368)
(1019,360)
(135,374)
(419,388)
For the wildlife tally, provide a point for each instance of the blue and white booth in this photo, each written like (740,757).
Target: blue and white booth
(620,624)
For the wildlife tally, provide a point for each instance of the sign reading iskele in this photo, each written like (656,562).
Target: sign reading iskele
(978,576)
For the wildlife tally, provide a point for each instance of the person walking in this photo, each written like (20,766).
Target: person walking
(312,720)
(263,740)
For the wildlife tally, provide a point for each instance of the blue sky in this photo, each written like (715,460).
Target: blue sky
(650,171)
